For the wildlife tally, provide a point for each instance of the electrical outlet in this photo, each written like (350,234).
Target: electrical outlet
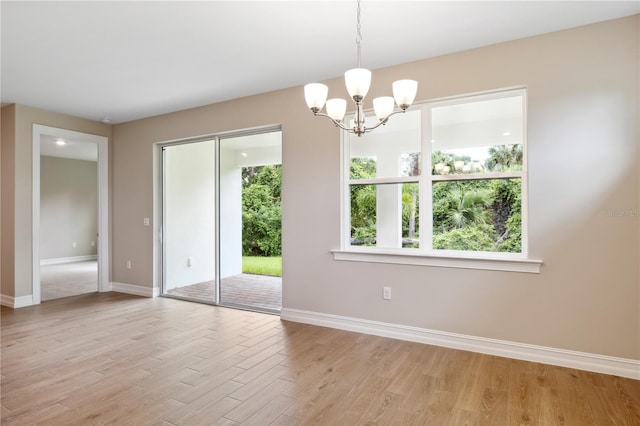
(128,264)
(386,293)
(73,244)
(146,221)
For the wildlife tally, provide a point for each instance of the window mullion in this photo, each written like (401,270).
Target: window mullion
(524,182)
(345,191)
(426,187)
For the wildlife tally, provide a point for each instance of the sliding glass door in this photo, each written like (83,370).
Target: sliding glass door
(189,231)
(222,228)
(251,221)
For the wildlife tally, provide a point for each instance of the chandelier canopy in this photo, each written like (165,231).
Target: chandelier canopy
(358,81)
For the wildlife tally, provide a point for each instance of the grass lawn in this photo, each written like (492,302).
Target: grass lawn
(260,265)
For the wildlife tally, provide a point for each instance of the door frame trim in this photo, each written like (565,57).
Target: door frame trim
(102,143)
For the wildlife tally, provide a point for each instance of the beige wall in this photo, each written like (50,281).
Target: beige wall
(583,158)
(7,148)
(68,207)
(17,248)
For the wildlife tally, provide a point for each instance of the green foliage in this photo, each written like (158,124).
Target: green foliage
(471,238)
(460,203)
(261,265)
(469,207)
(485,210)
(363,212)
(512,240)
(362,168)
(270,176)
(410,213)
(504,158)
(507,201)
(473,215)
(261,211)
(363,202)
(364,235)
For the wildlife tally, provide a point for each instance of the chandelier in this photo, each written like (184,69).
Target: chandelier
(358,81)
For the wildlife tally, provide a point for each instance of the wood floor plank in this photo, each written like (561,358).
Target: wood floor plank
(109,358)
(208,384)
(259,383)
(43,415)
(212,413)
(250,407)
(269,413)
(201,405)
(260,368)
(257,358)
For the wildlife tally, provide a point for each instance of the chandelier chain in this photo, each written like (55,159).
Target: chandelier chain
(358,35)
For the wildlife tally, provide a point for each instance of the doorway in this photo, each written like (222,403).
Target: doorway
(70,187)
(221,220)
(68,217)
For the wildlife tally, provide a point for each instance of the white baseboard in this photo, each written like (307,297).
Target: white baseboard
(579,360)
(16,302)
(138,290)
(59,260)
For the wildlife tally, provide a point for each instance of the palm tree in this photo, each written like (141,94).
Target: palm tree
(504,158)
(470,207)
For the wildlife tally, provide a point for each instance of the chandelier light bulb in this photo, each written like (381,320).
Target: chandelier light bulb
(404,91)
(336,108)
(315,94)
(383,107)
(357,81)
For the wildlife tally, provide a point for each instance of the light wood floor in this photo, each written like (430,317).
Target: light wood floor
(117,359)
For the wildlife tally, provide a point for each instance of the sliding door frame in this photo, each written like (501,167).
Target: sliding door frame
(159,206)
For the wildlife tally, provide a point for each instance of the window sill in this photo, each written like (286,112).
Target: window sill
(445,260)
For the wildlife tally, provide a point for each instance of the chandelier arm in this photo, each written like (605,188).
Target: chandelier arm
(383,122)
(337,123)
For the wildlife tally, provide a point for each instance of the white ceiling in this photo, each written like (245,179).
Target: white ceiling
(129,60)
(74,148)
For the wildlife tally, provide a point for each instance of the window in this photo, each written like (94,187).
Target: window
(445,180)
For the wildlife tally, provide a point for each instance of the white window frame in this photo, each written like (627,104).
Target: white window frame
(425,255)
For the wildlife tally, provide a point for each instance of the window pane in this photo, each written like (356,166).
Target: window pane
(392,150)
(478,215)
(478,137)
(385,216)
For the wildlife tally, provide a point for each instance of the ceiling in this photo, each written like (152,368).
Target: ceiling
(74,148)
(128,60)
